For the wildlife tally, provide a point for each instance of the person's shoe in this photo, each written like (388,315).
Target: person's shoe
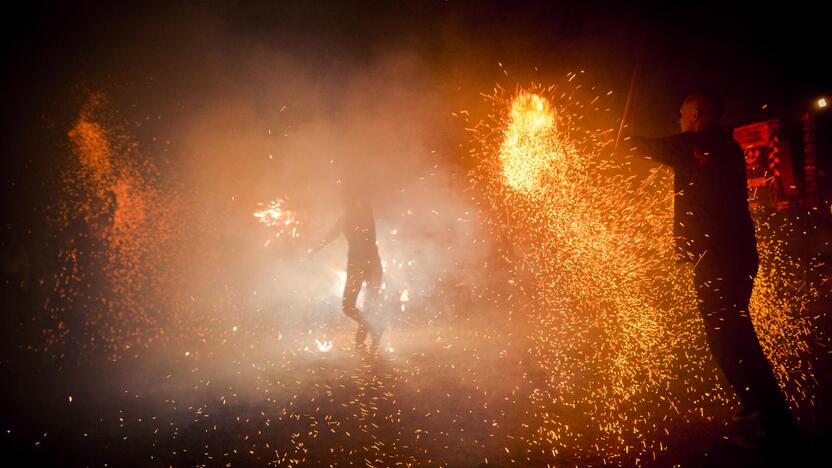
(768,443)
(746,416)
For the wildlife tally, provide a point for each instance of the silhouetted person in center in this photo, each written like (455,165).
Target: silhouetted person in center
(363,262)
(713,228)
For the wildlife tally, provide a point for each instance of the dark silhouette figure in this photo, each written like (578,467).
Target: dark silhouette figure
(363,263)
(83,286)
(713,229)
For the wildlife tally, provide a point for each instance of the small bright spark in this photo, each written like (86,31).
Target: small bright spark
(324,346)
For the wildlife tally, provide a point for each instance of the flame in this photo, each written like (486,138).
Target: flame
(527,150)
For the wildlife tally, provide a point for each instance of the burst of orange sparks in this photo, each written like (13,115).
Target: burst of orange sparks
(275,214)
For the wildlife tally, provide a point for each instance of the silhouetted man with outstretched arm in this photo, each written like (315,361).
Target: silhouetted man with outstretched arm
(713,229)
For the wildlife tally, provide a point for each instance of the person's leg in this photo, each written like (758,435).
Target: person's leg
(352,288)
(724,297)
(759,382)
(374,302)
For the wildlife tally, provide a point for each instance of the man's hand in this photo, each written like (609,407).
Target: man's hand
(333,234)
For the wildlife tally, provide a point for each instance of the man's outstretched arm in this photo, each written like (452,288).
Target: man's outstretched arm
(673,150)
(334,232)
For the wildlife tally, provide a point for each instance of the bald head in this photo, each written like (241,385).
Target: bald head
(700,111)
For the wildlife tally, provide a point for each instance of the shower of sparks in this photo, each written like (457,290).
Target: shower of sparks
(616,327)
(114,226)
(276,215)
(617,347)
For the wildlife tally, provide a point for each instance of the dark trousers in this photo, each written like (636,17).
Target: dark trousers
(724,288)
(359,271)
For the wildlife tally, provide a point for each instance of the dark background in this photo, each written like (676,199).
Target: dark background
(753,54)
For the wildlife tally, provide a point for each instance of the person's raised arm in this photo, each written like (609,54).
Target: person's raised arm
(334,232)
(673,150)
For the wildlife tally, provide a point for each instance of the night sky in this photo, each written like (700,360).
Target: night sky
(165,59)
(753,54)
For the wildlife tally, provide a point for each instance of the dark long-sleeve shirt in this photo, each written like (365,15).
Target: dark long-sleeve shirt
(711,202)
(360,230)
